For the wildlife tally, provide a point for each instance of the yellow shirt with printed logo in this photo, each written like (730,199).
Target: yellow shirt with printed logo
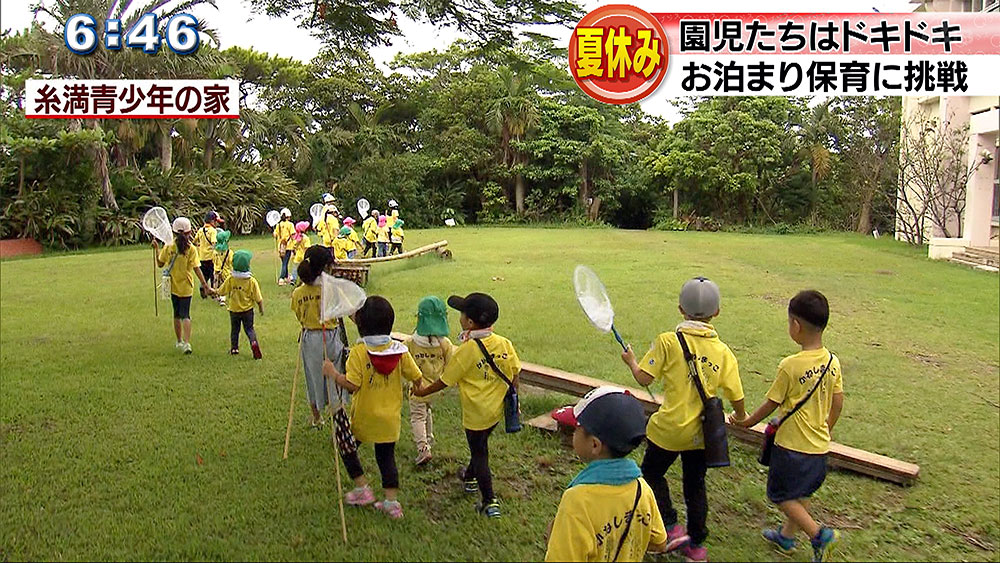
(806,431)
(241,293)
(299,247)
(376,406)
(182,272)
(676,426)
(204,239)
(480,388)
(431,361)
(591,520)
(283,231)
(306,306)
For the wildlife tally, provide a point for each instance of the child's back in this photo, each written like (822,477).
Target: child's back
(808,431)
(242,292)
(379,372)
(481,390)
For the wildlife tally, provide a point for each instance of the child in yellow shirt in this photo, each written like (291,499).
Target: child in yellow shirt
(222,262)
(283,232)
(481,390)
(396,237)
(430,348)
(181,259)
(382,236)
(242,292)
(297,245)
(809,389)
(369,229)
(593,522)
(375,371)
(675,429)
(343,246)
(349,222)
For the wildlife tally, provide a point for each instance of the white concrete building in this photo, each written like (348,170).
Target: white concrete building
(980,222)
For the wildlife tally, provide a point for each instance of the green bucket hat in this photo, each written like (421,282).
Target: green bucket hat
(241,260)
(432,317)
(222,240)
(398,224)
(345,231)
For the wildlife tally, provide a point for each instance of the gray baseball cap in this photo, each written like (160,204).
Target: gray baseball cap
(700,298)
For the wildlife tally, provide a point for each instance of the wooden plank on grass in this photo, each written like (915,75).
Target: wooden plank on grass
(407,254)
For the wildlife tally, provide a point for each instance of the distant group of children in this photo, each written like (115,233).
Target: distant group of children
(614,509)
(381,236)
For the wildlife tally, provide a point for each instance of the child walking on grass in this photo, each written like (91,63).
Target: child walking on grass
(382,234)
(297,245)
(431,349)
(181,259)
(675,429)
(376,368)
(242,292)
(306,306)
(396,236)
(809,389)
(482,391)
(609,423)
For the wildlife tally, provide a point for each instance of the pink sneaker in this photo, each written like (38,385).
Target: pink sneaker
(677,537)
(360,496)
(693,552)
(390,507)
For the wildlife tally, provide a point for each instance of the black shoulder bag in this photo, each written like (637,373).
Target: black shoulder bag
(772,427)
(628,521)
(713,419)
(511,406)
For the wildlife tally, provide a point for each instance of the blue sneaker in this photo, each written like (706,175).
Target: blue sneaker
(784,545)
(490,510)
(823,544)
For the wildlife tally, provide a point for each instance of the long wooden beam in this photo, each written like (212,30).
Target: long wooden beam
(840,456)
(407,254)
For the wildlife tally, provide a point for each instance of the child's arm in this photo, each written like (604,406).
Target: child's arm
(419,390)
(628,356)
(758,415)
(740,413)
(201,277)
(657,547)
(260,305)
(159,259)
(835,407)
(330,371)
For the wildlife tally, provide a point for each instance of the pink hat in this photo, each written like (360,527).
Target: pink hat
(302,226)
(349,221)
(381,221)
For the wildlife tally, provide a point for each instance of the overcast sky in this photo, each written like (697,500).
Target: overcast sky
(238,26)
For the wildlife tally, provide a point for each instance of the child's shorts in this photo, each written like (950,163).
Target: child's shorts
(794,475)
(182,306)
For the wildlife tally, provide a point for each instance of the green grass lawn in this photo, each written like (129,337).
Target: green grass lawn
(103,422)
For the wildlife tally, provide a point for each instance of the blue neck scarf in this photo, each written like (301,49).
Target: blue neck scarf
(619,471)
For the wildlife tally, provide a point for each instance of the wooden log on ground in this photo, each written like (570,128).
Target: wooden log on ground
(840,456)
(407,254)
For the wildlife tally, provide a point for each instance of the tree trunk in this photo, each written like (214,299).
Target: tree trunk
(209,143)
(20,178)
(865,219)
(584,185)
(676,201)
(519,193)
(99,154)
(595,209)
(166,147)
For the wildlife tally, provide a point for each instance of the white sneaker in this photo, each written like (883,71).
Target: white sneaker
(187,347)
(179,345)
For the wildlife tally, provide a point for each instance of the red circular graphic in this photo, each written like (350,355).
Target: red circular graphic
(617,89)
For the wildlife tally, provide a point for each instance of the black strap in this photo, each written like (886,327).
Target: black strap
(796,408)
(489,358)
(628,521)
(693,368)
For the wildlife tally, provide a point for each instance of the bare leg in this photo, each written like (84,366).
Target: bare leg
(791,528)
(177,329)
(186,326)
(798,514)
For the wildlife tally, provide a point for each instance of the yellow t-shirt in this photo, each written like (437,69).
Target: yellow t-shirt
(341,246)
(376,406)
(481,389)
(369,227)
(306,306)
(223,263)
(329,228)
(382,233)
(299,247)
(396,235)
(676,426)
(204,239)
(182,272)
(591,520)
(431,361)
(355,239)
(241,293)
(806,431)
(284,231)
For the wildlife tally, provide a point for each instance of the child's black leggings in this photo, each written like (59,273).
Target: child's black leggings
(235,320)
(655,464)
(385,457)
(479,465)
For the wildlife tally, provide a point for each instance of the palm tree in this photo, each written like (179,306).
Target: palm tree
(44,52)
(513,114)
(818,136)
